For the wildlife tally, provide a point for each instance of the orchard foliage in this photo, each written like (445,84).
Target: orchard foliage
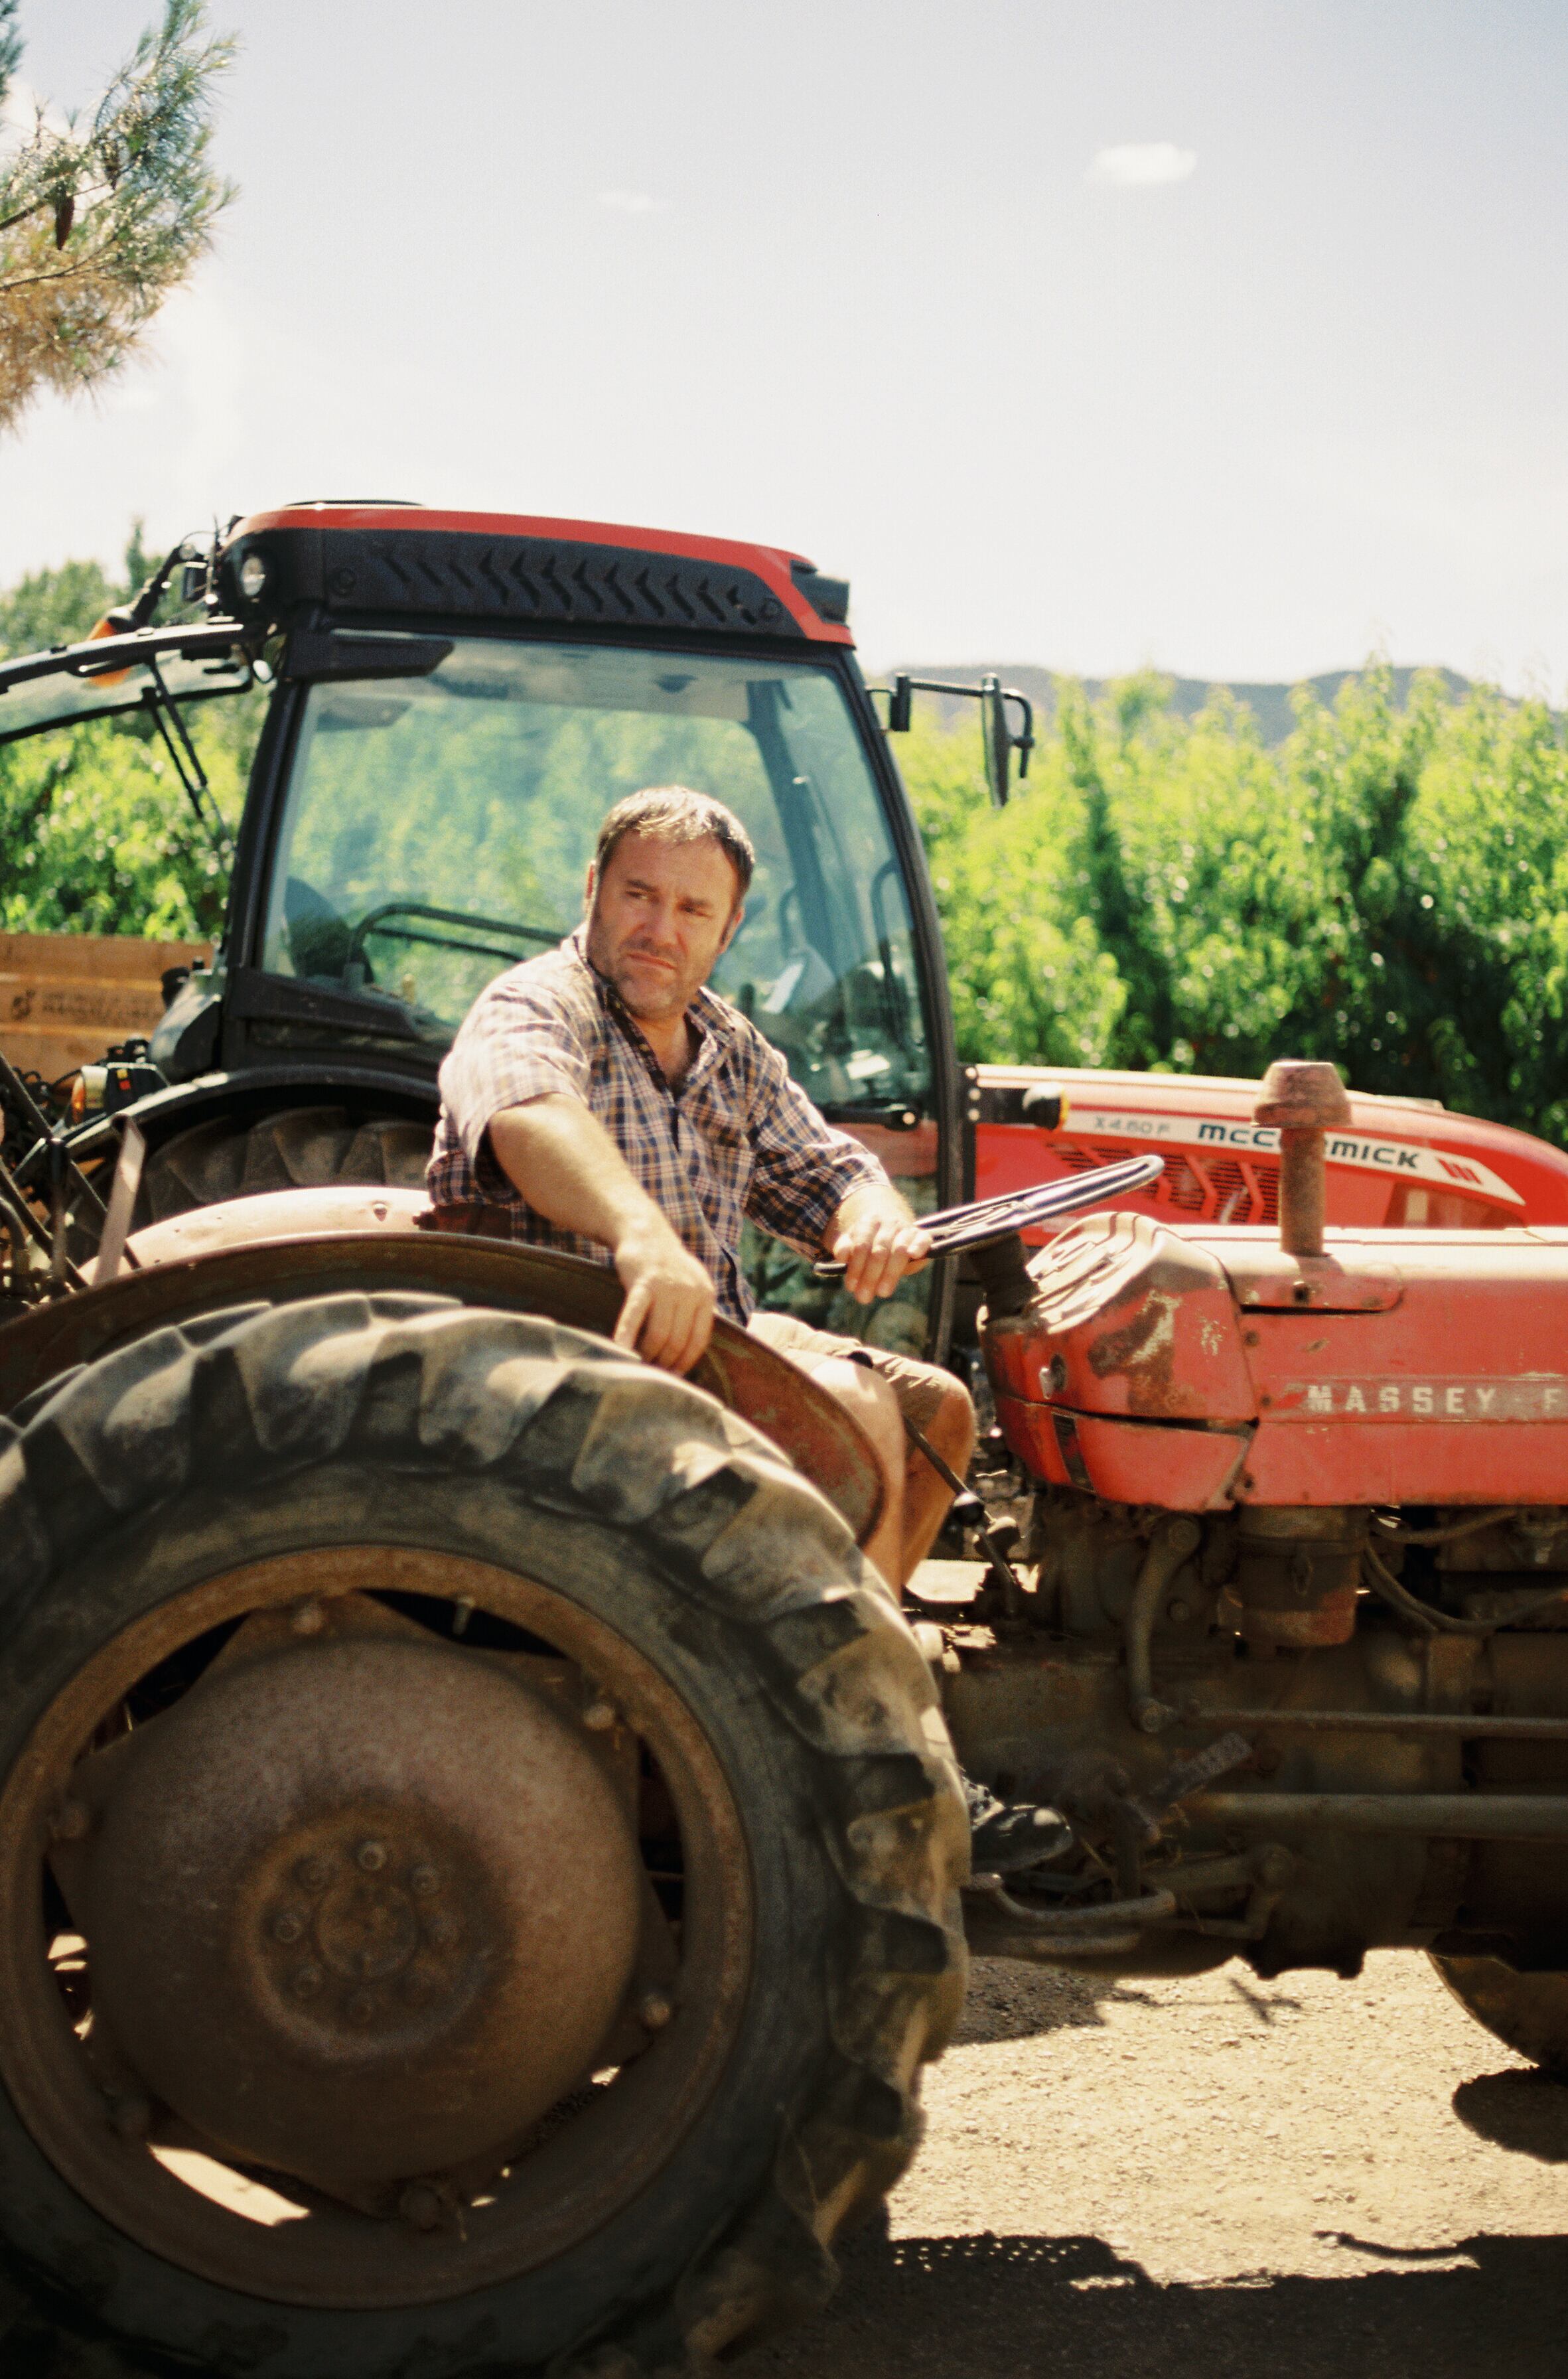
(1387,888)
(96,836)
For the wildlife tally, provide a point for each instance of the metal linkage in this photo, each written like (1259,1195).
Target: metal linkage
(1451,1817)
(959,1227)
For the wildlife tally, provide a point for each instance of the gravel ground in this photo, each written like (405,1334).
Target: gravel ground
(1216,2179)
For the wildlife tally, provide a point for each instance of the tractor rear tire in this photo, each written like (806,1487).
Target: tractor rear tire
(1526,2012)
(301,1148)
(414,1437)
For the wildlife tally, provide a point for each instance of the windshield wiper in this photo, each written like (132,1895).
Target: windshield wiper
(186,764)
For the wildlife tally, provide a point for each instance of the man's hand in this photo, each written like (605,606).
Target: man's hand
(668,1316)
(877,1241)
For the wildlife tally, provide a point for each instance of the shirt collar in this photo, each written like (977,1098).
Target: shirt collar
(711,1019)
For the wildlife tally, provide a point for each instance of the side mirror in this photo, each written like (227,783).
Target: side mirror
(999,740)
(997,735)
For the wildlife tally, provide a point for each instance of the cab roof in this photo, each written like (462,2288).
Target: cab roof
(377,556)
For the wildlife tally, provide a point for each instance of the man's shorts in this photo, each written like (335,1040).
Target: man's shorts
(921,1388)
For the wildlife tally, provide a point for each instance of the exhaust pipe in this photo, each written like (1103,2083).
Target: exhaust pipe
(1304,1097)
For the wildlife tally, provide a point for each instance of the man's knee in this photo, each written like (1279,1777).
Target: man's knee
(869,1400)
(953,1427)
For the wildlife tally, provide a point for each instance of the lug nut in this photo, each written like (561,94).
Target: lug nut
(71,1821)
(441,1928)
(424,1882)
(1176,1612)
(288,1926)
(307,1618)
(654,2008)
(371,1856)
(305,1981)
(599,1715)
(314,1874)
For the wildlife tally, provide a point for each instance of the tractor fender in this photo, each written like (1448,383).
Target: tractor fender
(253,1091)
(279,1247)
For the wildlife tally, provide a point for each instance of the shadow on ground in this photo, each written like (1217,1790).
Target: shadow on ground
(1010,2000)
(1005,2308)
(1520,2109)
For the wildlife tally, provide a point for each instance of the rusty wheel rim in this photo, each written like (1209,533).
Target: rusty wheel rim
(591,2158)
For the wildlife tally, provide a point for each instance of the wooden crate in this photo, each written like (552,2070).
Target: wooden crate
(64,997)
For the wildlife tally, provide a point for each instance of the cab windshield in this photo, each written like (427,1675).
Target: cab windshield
(438,829)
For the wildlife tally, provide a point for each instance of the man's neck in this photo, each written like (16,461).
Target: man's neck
(672,1041)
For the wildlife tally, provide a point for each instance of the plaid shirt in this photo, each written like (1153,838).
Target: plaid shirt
(734,1138)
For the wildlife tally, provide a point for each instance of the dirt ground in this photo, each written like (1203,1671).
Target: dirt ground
(1217,2179)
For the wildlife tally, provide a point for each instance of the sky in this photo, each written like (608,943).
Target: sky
(1225,335)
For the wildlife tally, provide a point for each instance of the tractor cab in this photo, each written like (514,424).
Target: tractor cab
(455,701)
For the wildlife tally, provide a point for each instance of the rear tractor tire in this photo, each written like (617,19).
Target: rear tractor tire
(1526,2012)
(301,1148)
(479,1858)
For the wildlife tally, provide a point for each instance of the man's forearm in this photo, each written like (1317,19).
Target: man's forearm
(565,1164)
(877,1239)
(867,1197)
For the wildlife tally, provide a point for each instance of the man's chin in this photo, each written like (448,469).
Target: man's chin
(651,995)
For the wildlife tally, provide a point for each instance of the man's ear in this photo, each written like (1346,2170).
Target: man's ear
(588,888)
(732,928)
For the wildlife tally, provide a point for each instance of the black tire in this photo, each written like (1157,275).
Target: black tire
(300,1148)
(232,1440)
(1528,2012)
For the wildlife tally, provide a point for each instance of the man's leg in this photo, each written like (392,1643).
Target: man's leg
(940,1408)
(870,1401)
(879,1389)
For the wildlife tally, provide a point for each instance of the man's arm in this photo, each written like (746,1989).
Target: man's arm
(877,1238)
(823,1191)
(569,1169)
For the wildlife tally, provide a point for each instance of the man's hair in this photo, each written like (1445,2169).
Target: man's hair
(674,813)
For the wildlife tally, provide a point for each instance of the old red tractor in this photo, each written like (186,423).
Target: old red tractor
(481,1858)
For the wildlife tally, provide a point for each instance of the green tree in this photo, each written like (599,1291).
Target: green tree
(96,835)
(102,217)
(1387,888)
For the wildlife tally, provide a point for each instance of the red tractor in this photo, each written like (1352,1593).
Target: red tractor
(481,1857)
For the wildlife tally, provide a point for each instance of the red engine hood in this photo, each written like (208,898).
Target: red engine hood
(1199,1367)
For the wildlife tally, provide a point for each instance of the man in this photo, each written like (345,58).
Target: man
(601,1100)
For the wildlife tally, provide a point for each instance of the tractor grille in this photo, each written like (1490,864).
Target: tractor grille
(1210,1188)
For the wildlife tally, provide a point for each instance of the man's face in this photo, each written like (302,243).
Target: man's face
(658,918)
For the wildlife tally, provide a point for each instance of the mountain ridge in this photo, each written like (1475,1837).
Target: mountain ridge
(1269,702)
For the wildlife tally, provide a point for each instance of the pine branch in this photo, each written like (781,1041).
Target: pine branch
(101,220)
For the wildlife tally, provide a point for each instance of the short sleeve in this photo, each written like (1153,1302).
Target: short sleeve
(524,1038)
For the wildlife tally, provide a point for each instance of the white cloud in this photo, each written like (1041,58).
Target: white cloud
(1141,164)
(631,202)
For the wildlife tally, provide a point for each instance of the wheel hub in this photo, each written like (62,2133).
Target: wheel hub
(358,1910)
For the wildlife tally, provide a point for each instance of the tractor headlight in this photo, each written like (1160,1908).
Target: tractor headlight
(252,577)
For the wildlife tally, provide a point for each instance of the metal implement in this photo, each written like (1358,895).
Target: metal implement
(961,1227)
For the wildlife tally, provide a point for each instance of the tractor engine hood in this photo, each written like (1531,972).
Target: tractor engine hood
(1199,1368)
